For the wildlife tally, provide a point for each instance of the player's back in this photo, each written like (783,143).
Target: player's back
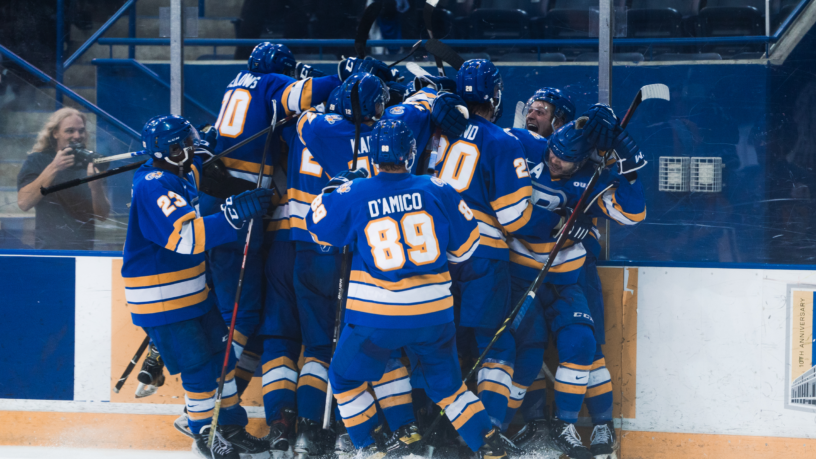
(406,228)
(535,146)
(246,108)
(486,165)
(330,141)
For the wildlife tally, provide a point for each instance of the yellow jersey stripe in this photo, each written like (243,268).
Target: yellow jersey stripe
(408,282)
(512,198)
(247,166)
(407,310)
(163,306)
(474,236)
(166,278)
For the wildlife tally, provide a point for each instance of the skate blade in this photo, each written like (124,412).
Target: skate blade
(181,425)
(145,390)
(613,455)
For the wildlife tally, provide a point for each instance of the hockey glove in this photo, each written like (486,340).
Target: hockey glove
(602,126)
(398,92)
(303,71)
(628,155)
(208,138)
(450,113)
(350,66)
(344,177)
(249,204)
(580,229)
(439,83)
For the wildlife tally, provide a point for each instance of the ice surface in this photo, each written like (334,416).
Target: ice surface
(36,452)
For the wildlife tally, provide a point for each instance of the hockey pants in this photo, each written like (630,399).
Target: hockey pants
(363,355)
(195,348)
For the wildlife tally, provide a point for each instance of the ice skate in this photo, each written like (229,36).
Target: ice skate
(603,442)
(312,440)
(493,447)
(220,448)
(343,447)
(181,424)
(403,442)
(281,431)
(565,438)
(369,452)
(533,436)
(151,377)
(242,441)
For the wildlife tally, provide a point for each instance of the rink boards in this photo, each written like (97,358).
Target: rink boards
(703,360)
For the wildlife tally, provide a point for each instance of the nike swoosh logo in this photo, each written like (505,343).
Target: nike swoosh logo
(582,377)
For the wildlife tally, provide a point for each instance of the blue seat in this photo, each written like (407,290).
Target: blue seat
(499,24)
(728,18)
(660,18)
(688,57)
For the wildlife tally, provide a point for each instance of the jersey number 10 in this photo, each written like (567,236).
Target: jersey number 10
(233,113)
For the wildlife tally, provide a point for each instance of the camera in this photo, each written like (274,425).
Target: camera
(82,156)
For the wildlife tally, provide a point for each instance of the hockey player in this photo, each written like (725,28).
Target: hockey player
(486,165)
(559,184)
(247,108)
(165,282)
(547,110)
(404,230)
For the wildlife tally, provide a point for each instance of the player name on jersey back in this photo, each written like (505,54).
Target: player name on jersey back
(392,204)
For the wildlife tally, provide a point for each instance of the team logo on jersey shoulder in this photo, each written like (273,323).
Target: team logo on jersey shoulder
(331,119)
(153,175)
(535,134)
(437,181)
(344,188)
(396,110)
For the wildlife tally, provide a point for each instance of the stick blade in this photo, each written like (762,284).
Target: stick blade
(416,70)
(444,52)
(655,91)
(518,118)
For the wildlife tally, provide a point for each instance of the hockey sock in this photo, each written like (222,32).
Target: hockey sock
(359,414)
(311,389)
(393,393)
(245,369)
(468,416)
(526,382)
(280,376)
(495,377)
(535,403)
(576,347)
(599,390)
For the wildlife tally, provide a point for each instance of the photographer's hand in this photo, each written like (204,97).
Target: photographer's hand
(30,195)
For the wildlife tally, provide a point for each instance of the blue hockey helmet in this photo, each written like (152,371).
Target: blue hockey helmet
(161,133)
(333,102)
(570,144)
(271,58)
(564,109)
(392,142)
(373,95)
(478,81)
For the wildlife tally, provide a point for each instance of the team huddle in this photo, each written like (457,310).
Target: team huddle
(447,220)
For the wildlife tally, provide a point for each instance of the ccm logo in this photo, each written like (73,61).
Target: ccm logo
(585,316)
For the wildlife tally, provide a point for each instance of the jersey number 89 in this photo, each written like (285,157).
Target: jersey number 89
(384,236)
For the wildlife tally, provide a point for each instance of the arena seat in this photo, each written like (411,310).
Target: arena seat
(497,19)
(616,57)
(688,57)
(727,18)
(660,18)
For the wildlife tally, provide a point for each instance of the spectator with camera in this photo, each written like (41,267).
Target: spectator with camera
(63,220)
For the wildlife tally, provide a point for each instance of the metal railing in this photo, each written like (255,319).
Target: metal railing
(25,65)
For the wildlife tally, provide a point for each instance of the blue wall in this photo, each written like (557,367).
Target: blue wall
(37,345)
(718,110)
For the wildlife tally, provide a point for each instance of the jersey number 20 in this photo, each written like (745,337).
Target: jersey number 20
(384,236)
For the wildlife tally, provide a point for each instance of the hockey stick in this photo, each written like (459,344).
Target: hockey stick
(410,53)
(269,137)
(364,27)
(427,16)
(129,167)
(518,117)
(109,159)
(131,365)
(444,52)
(342,292)
(530,294)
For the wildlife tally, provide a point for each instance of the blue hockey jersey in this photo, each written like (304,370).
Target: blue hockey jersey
(487,166)
(613,197)
(535,146)
(246,108)
(405,230)
(164,258)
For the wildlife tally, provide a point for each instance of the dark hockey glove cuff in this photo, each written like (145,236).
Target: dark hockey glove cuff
(450,113)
